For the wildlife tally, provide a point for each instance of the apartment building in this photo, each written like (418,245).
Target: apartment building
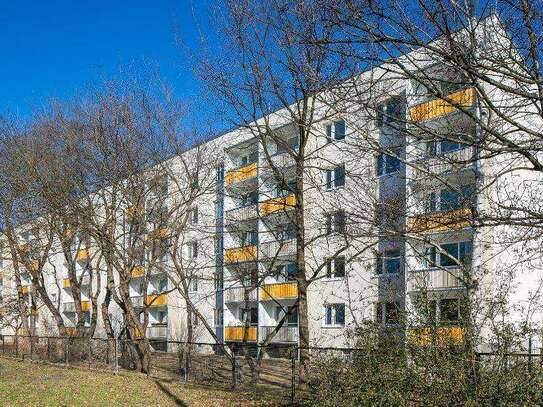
(389,217)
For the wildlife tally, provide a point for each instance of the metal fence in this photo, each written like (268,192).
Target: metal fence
(246,367)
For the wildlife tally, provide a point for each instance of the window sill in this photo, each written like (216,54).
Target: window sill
(386,275)
(333,326)
(332,279)
(333,189)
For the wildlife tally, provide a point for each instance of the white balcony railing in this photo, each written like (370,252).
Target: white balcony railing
(160,331)
(279,161)
(276,249)
(444,163)
(137,301)
(242,214)
(435,279)
(237,294)
(68,307)
(285,334)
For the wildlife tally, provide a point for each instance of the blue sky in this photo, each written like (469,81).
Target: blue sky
(56,48)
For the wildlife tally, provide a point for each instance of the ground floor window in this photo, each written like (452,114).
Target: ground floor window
(334,315)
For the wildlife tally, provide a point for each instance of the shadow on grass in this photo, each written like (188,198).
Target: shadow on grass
(168,393)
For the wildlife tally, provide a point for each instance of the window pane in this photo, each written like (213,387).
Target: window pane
(328,315)
(465,252)
(450,200)
(392,313)
(339,264)
(452,250)
(340,314)
(392,164)
(380,164)
(339,128)
(328,179)
(447,146)
(329,133)
(392,261)
(339,176)
(339,221)
(449,311)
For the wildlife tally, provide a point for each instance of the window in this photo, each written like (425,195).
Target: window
(291,319)
(219,317)
(162,285)
(193,216)
(389,112)
(449,311)
(335,131)
(282,146)
(192,249)
(193,284)
(248,238)
(430,203)
(449,199)
(389,262)
(162,317)
(285,190)
(334,315)
(387,312)
(335,178)
(249,314)
(335,222)
(452,254)
(249,199)
(388,164)
(286,272)
(219,281)
(335,268)
(249,159)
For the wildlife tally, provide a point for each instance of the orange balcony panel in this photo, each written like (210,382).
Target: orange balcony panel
(453,335)
(135,211)
(439,107)
(70,330)
(440,222)
(156,300)
(280,291)
(22,331)
(82,254)
(240,254)
(138,271)
(66,283)
(25,289)
(85,306)
(277,204)
(241,174)
(240,333)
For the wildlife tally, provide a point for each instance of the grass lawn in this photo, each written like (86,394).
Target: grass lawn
(35,384)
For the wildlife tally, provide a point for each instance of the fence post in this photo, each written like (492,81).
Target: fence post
(66,351)
(293,374)
(17,346)
(530,353)
(116,356)
(48,349)
(233,366)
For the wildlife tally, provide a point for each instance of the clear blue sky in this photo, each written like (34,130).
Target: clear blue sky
(55,48)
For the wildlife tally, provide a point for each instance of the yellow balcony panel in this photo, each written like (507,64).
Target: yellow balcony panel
(138,271)
(240,254)
(22,331)
(240,333)
(25,289)
(439,107)
(161,233)
(34,265)
(156,300)
(453,335)
(82,254)
(277,204)
(85,306)
(70,330)
(279,291)
(66,283)
(240,174)
(440,222)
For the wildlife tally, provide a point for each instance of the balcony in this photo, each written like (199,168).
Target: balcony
(242,214)
(274,205)
(436,108)
(156,300)
(237,294)
(137,271)
(82,255)
(70,306)
(241,254)
(241,175)
(286,334)
(137,301)
(435,279)
(451,335)
(25,289)
(158,331)
(67,283)
(279,161)
(278,249)
(240,333)
(441,222)
(447,163)
(279,291)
